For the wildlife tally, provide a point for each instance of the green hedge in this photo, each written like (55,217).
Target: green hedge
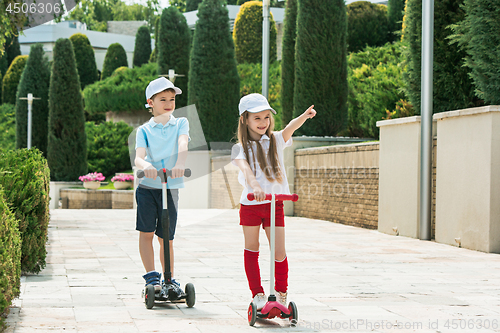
(7,126)
(10,258)
(367,25)
(25,180)
(251,82)
(122,91)
(107,147)
(375,81)
(11,79)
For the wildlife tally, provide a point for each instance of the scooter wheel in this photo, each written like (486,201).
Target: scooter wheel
(190,295)
(294,314)
(252,314)
(149,297)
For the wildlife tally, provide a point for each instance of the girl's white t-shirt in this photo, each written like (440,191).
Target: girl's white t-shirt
(267,186)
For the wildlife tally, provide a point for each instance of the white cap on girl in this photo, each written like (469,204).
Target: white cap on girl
(254,103)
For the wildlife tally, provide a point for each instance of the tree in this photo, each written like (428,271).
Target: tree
(67,142)
(174,44)
(12,49)
(478,35)
(213,76)
(115,57)
(288,60)
(395,13)
(142,49)
(247,34)
(452,86)
(85,59)
(11,79)
(35,80)
(9,22)
(192,5)
(367,25)
(321,65)
(179,4)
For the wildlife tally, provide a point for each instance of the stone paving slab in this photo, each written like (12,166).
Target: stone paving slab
(342,278)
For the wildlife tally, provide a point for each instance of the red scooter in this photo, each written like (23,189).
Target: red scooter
(273,308)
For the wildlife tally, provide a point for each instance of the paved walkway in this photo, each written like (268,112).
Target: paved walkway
(341,278)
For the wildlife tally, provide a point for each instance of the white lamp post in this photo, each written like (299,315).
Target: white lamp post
(265,48)
(171,75)
(30,99)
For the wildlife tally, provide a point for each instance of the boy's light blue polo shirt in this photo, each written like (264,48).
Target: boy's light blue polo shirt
(161,143)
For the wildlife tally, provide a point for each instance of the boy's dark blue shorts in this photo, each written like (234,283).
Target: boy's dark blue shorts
(149,210)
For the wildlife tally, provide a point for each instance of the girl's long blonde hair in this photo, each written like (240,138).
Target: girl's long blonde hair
(270,163)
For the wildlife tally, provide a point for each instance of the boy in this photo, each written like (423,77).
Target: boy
(160,143)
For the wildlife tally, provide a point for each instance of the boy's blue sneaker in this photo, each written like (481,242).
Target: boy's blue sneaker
(153,278)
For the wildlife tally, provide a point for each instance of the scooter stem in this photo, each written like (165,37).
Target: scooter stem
(272,242)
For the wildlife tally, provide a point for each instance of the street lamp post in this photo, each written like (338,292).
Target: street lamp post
(30,99)
(426,119)
(265,48)
(171,75)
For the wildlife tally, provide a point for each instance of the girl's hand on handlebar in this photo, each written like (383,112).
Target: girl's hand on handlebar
(150,172)
(259,194)
(177,172)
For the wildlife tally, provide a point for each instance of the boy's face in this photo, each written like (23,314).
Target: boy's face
(163,103)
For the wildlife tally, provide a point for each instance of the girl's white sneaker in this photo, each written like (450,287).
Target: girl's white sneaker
(281,297)
(260,300)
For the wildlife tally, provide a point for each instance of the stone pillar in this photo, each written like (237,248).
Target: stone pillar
(468,178)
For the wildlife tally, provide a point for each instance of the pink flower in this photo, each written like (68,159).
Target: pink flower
(92,177)
(123,177)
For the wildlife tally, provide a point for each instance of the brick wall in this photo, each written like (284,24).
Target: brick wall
(338,184)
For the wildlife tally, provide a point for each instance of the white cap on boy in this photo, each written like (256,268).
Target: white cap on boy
(159,85)
(254,103)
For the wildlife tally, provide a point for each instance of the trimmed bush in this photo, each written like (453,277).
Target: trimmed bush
(367,25)
(479,35)
(123,91)
(321,66)
(288,60)
(395,13)
(7,126)
(375,80)
(10,258)
(214,84)
(67,143)
(85,59)
(35,80)
(25,181)
(11,79)
(247,34)
(12,49)
(107,147)
(192,5)
(115,57)
(251,82)
(452,85)
(142,49)
(174,44)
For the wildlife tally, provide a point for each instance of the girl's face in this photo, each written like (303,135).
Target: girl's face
(163,103)
(258,123)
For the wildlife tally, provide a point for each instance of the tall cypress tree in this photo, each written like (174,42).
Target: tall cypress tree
(321,65)
(85,59)
(452,85)
(142,49)
(12,49)
(67,142)
(115,57)
(35,80)
(11,79)
(367,25)
(174,43)
(395,13)
(479,35)
(214,84)
(288,60)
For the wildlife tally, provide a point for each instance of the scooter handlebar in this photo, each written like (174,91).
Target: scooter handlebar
(187,172)
(282,197)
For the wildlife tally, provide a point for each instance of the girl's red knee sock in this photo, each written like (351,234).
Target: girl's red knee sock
(281,271)
(253,271)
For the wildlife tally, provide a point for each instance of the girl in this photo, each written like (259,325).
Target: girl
(259,155)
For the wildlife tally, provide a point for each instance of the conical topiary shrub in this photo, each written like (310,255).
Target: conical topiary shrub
(115,57)
(11,79)
(85,59)
(142,49)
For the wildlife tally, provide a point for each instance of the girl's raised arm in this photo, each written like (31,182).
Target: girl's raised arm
(297,122)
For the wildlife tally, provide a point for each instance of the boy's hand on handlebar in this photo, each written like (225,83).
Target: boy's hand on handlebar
(150,172)
(178,171)
(259,194)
